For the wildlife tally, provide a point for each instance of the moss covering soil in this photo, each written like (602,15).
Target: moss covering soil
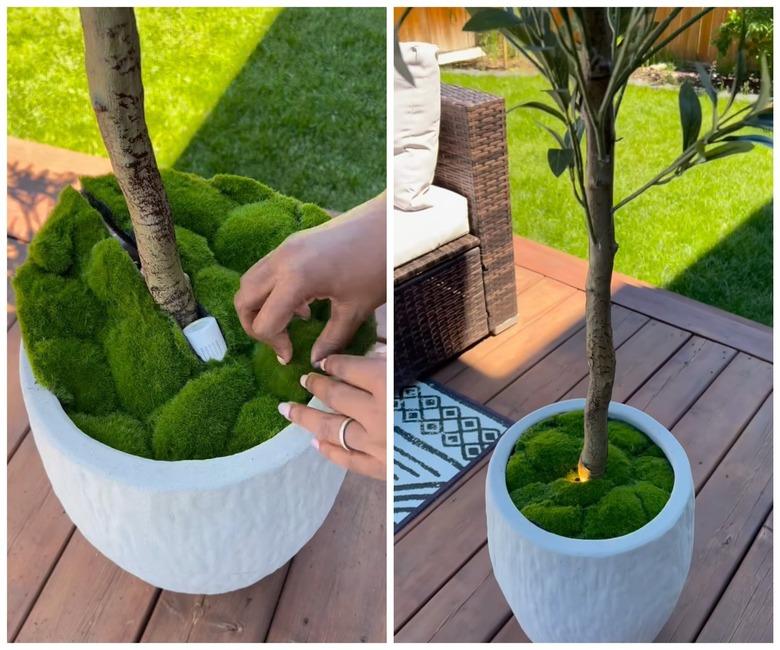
(541,477)
(122,369)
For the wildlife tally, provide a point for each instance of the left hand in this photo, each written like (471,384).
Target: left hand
(354,387)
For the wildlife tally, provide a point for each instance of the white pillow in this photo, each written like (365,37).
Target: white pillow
(416,138)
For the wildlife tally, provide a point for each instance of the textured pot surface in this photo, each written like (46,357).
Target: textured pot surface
(197,526)
(572,590)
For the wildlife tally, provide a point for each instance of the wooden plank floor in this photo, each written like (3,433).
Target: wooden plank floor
(61,589)
(704,374)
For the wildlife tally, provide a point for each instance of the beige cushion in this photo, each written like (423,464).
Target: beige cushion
(416,137)
(421,231)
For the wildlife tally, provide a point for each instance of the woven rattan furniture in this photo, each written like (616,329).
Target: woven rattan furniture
(456,295)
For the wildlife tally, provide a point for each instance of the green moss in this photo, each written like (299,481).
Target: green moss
(618,513)
(150,360)
(654,470)
(106,190)
(115,279)
(653,498)
(241,189)
(123,368)
(194,251)
(258,421)
(561,520)
(542,480)
(364,338)
(284,381)
(71,230)
(251,232)
(215,287)
(312,215)
(117,430)
(75,370)
(195,203)
(53,306)
(627,438)
(198,421)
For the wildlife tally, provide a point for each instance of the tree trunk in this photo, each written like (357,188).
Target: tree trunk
(113,61)
(601,255)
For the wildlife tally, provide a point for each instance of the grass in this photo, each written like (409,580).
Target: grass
(292,97)
(707,235)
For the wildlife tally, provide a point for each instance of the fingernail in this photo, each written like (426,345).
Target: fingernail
(280,360)
(322,364)
(284,409)
(315,443)
(303,380)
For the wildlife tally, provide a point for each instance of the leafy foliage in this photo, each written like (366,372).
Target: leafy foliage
(753,26)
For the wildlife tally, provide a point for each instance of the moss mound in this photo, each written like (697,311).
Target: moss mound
(122,369)
(252,231)
(542,480)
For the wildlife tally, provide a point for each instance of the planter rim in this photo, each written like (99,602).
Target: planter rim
(496,489)
(147,473)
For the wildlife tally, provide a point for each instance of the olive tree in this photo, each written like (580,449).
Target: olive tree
(587,56)
(112,53)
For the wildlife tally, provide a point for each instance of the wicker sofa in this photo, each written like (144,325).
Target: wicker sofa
(450,298)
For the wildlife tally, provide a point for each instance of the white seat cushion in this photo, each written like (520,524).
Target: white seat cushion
(421,231)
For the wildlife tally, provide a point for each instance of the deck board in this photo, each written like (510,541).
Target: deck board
(709,383)
(61,589)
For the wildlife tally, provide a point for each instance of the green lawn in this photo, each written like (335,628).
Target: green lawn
(295,97)
(707,235)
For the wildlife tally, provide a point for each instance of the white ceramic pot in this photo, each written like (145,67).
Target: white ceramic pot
(194,526)
(572,590)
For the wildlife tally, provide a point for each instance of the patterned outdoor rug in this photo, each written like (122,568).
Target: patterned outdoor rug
(438,436)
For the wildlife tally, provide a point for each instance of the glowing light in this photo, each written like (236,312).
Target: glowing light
(583,473)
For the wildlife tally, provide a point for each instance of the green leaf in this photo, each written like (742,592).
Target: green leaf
(579,128)
(704,76)
(557,138)
(764,94)
(541,107)
(728,149)
(755,138)
(559,160)
(690,114)
(490,18)
(561,96)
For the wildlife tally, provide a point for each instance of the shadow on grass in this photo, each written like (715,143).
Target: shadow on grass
(306,113)
(736,273)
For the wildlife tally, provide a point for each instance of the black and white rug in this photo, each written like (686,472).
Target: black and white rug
(438,436)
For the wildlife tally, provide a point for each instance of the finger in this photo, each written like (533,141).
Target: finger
(247,303)
(325,426)
(336,335)
(351,460)
(270,324)
(303,311)
(339,396)
(363,372)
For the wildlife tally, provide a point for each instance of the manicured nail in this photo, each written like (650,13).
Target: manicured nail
(315,443)
(284,409)
(322,364)
(280,360)
(303,380)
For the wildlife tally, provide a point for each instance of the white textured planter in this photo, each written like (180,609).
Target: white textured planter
(572,590)
(195,526)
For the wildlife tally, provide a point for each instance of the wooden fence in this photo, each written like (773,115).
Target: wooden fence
(444,26)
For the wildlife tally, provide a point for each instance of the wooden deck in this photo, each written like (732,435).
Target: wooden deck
(61,589)
(704,374)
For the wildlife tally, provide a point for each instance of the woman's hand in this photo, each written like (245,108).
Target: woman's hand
(355,388)
(343,260)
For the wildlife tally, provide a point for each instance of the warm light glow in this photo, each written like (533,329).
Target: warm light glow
(583,472)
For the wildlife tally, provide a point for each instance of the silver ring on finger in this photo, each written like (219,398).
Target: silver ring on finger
(343,431)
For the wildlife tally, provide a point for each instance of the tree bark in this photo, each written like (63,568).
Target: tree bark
(600,176)
(113,62)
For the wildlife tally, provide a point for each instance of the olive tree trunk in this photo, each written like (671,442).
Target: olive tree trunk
(600,176)
(113,61)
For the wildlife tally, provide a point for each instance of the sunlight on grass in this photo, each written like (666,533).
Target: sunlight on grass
(667,230)
(189,58)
